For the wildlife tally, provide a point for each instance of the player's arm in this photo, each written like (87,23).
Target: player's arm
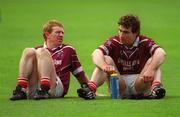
(157,59)
(85,91)
(82,78)
(99,60)
(78,72)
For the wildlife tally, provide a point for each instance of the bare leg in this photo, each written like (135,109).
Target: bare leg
(45,66)
(28,69)
(99,76)
(27,61)
(140,86)
(157,76)
(27,74)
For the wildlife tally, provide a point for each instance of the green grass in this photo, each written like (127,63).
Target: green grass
(87,25)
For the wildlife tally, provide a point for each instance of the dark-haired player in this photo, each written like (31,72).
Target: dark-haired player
(134,57)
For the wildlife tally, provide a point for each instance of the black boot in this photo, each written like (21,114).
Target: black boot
(43,93)
(18,94)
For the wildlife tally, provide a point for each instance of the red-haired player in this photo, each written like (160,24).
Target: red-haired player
(44,72)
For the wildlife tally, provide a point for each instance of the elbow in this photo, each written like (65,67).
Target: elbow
(92,55)
(162,53)
(96,55)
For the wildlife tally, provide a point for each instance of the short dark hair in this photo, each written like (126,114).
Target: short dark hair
(130,21)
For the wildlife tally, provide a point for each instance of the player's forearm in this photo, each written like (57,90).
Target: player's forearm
(98,58)
(82,78)
(158,58)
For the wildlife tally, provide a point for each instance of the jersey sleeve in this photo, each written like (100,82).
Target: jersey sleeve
(107,47)
(151,46)
(76,67)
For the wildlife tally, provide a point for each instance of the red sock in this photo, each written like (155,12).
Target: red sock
(45,82)
(92,86)
(22,81)
(156,83)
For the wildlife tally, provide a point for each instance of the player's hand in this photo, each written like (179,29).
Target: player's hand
(148,75)
(85,92)
(109,69)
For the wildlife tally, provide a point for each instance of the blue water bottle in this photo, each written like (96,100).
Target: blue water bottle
(114,86)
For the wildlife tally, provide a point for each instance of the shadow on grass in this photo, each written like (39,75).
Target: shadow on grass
(172,97)
(169,97)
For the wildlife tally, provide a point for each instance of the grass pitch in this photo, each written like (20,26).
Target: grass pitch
(87,25)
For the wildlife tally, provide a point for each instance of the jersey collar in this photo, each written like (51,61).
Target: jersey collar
(135,44)
(45,46)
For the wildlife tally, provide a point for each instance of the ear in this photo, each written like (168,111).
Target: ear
(46,34)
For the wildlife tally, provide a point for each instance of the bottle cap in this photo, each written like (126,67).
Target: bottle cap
(114,74)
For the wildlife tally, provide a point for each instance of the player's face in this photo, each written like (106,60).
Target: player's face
(126,35)
(56,36)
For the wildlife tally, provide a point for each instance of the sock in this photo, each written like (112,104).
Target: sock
(22,81)
(156,83)
(45,84)
(92,86)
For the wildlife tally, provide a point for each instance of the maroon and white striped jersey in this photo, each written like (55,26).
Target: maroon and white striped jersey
(65,62)
(129,59)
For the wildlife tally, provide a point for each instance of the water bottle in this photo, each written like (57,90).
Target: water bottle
(114,86)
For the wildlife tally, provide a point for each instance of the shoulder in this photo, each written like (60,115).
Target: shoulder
(39,46)
(148,43)
(113,40)
(144,39)
(67,47)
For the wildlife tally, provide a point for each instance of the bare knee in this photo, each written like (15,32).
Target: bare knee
(109,60)
(148,61)
(42,52)
(29,52)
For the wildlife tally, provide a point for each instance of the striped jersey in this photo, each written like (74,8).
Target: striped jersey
(66,62)
(129,59)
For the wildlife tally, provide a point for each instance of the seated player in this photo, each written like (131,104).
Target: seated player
(135,58)
(44,71)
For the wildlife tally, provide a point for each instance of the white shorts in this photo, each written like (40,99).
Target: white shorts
(130,84)
(58,90)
